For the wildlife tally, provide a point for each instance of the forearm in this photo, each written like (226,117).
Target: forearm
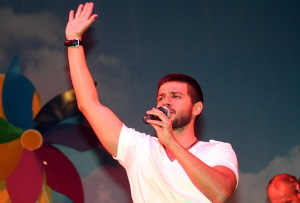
(82,80)
(215,185)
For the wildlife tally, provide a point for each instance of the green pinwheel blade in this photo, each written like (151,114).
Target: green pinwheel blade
(8,132)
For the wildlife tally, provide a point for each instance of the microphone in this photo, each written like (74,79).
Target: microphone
(164,109)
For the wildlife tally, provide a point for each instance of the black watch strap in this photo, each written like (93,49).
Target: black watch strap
(73,43)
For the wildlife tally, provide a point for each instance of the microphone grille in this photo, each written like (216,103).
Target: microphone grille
(165,110)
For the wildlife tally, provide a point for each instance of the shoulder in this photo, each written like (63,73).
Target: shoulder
(214,149)
(133,143)
(215,144)
(132,136)
(217,153)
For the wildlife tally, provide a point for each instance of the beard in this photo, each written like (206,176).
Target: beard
(182,120)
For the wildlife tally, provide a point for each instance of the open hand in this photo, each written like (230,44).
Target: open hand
(81,21)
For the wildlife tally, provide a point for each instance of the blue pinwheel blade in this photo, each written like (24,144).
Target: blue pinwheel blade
(17,97)
(76,136)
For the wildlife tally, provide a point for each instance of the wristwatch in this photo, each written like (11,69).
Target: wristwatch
(73,43)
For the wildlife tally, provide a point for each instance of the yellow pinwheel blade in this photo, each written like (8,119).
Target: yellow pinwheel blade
(46,195)
(4,197)
(11,153)
(1,106)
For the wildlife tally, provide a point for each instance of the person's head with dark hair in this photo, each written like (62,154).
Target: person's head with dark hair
(183,96)
(283,188)
(194,89)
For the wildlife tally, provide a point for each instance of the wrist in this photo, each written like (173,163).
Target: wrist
(170,144)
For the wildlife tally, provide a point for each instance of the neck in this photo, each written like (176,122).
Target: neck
(186,135)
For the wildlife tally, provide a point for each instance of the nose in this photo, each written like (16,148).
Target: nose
(166,102)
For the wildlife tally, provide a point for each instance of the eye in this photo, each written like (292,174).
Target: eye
(160,98)
(176,96)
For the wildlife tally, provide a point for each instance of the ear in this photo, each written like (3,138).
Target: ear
(197,109)
(298,190)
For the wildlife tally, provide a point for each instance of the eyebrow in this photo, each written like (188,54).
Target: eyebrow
(172,92)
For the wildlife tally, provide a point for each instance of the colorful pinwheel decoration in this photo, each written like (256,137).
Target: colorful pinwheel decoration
(30,166)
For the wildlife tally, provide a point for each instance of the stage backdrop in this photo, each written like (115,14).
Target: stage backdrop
(245,55)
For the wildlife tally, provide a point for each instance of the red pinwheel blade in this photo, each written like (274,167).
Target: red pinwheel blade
(25,183)
(61,175)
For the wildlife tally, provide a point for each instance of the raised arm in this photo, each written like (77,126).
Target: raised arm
(104,122)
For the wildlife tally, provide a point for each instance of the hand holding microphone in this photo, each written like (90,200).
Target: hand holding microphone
(164,109)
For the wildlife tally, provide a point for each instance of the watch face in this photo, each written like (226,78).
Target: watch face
(74,42)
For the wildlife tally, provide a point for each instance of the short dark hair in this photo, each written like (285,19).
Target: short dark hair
(194,89)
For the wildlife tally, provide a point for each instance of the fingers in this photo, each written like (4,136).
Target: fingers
(84,10)
(71,15)
(88,9)
(80,20)
(93,18)
(78,12)
(163,122)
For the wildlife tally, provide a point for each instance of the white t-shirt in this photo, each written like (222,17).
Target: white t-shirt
(154,178)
